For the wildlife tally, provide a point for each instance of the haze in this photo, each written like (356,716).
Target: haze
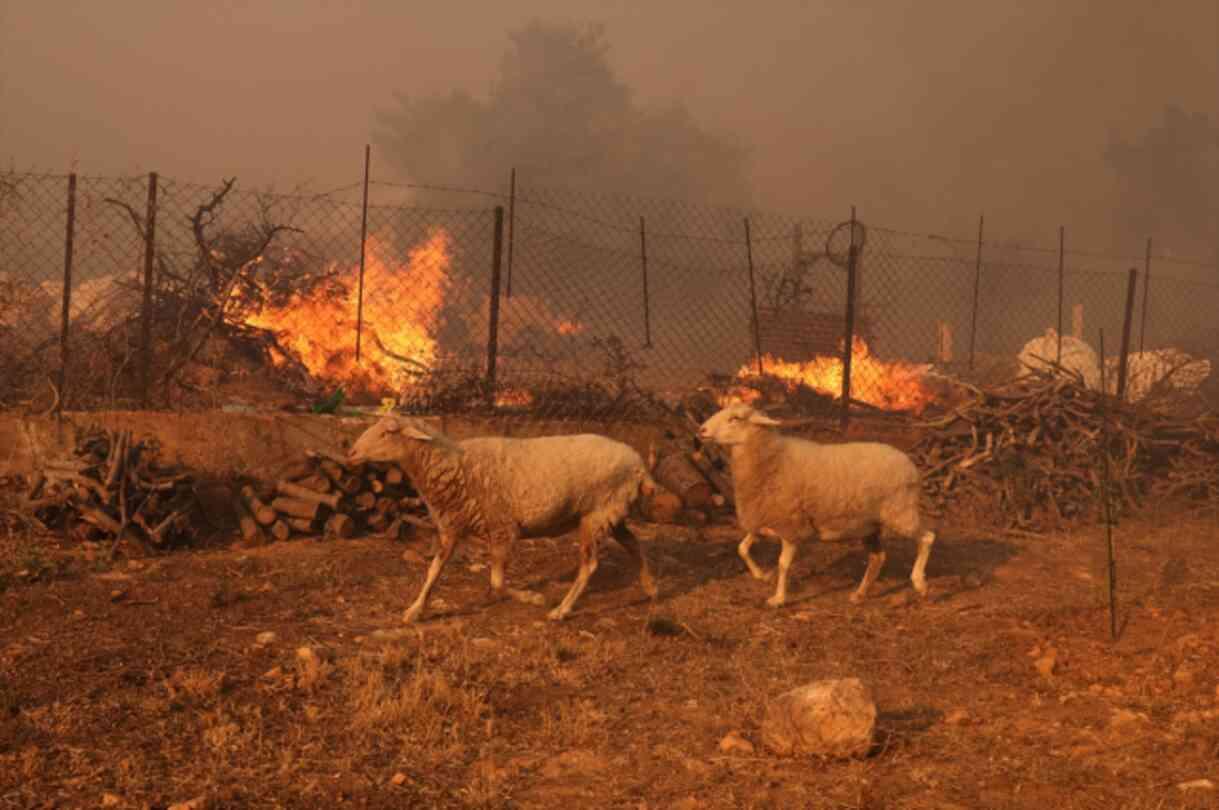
(922,114)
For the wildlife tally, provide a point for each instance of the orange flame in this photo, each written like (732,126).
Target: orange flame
(891,385)
(402,304)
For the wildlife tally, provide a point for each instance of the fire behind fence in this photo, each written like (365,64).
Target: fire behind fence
(149,292)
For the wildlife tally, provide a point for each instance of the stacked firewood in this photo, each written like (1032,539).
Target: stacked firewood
(113,487)
(320,494)
(1033,451)
(696,475)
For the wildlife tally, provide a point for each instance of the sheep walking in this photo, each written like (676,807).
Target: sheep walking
(502,489)
(795,489)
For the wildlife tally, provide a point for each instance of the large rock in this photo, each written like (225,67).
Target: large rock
(830,718)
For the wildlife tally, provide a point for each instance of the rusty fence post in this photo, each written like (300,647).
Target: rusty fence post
(647,308)
(511,227)
(1106,506)
(1132,285)
(65,328)
(753,299)
(973,320)
(1146,283)
(497,246)
(849,337)
(363,243)
(1061,241)
(150,242)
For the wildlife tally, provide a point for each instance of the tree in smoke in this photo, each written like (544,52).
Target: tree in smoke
(1170,179)
(558,112)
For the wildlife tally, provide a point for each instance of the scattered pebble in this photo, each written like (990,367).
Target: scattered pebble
(398,779)
(956,717)
(1047,662)
(1197,784)
(110,800)
(734,742)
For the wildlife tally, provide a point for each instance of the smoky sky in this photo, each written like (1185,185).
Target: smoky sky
(923,114)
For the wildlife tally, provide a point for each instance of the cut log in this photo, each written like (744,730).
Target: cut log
(679,475)
(297,470)
(251,533)
(418,522)
(386,506)
(340,526)
(378,521)
(293,507)
(394,475)
(99,519)
(663,507)
(375,484)
(306,494)
(351,484)
(263,513)
(280,530)
(317,482)
(300,525)
(365,501)
(332,470)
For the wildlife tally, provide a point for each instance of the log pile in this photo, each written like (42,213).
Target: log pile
(113,487)
(695,474)
(320,494)
(1031,450)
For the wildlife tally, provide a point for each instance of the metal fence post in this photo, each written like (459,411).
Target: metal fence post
(753,298)
(850,329)
(973,321)
(1061,240)
(68,244)
(643,257)
(511,227)
(1146,282)
(363,242)
(150,230)
(1132,285)
(497,246)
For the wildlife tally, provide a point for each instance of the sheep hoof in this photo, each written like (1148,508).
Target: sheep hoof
(649,587)
(557,615)
(762,575)
(857,597)
(921,589)
(776,601)
(410,616)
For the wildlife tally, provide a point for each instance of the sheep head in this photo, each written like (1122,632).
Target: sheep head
(734,424)
(387,438)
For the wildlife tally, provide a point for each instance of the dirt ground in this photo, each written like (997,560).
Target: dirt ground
(145,683)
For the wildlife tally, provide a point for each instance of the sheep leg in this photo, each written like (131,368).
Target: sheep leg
(918,576)
(876,560)
(785,563)
(626,538)
(499,556)
(743,550)
(447,545)
(588,564)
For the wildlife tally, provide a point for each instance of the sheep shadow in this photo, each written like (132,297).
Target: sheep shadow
(959,562)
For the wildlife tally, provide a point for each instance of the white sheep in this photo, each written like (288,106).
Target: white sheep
(502,489)
(795,489)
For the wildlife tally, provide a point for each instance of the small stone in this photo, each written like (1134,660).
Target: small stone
(307,655)
(956,717)
(830,717)
(197,803)
(1046,663)
(110,800)
(1183,677)
(273,673)
(398,779)
(265,637)
(1196,784)
(117,595)
(484,643)
(733,741)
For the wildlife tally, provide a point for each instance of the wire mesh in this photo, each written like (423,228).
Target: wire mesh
(606,304)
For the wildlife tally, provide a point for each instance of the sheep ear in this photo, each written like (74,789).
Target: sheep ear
(415,433)
(759,418)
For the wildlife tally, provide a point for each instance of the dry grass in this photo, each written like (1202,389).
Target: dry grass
(165,694)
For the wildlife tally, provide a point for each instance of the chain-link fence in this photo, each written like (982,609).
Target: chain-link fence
(149,292)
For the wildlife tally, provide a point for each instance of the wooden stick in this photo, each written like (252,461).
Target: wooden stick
(262,512)
(296,508)
(305,494)
(340,526)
